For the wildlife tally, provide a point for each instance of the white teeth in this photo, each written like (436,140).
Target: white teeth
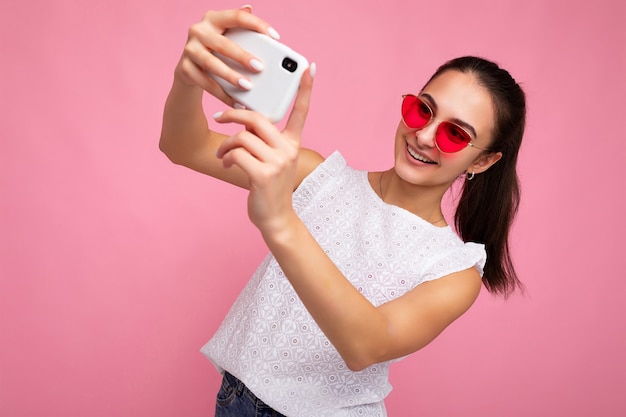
(419,157)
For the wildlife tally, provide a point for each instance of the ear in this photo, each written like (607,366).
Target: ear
(484,162)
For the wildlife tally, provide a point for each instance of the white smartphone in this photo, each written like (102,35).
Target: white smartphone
(275,87)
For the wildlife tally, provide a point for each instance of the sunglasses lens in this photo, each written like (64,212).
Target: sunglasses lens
(415,113)
(451,138)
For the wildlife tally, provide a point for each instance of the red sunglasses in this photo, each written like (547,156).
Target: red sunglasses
(449,137)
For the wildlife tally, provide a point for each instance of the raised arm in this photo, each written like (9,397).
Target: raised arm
(186,137)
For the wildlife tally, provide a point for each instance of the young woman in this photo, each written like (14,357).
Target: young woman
(363,267)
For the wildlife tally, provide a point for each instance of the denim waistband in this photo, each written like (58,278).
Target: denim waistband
(241,388)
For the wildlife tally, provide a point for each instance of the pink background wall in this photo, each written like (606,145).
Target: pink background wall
(116,266)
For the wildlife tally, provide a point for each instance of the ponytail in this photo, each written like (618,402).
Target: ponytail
(489,202)
(485,213)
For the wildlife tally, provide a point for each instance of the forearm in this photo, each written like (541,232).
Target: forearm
(356,328)
(185,129)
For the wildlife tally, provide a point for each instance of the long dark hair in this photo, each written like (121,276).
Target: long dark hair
(489,202)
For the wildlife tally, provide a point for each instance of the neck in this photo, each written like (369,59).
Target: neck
(422,203)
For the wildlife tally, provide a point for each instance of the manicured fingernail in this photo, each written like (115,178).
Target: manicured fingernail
(272,32)
(247,7)
(256,64)
(245,84)
(239,106)
(218,114)
(312,70)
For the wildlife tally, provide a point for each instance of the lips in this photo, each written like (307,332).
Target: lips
(419,157)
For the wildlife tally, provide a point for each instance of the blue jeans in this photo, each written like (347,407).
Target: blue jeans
(234,399)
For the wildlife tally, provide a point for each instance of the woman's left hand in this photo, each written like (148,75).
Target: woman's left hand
(269,157)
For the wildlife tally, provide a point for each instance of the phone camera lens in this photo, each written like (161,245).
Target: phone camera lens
(289,64)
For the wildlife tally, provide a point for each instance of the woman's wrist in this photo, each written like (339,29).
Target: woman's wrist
(282,231)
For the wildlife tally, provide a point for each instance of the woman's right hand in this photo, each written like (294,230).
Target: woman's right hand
(206,36)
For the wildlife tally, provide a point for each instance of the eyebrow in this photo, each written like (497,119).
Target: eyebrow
(459,122)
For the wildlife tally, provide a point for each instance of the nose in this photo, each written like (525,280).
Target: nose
(426,135)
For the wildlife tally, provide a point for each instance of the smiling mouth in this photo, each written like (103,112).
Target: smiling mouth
(418,156)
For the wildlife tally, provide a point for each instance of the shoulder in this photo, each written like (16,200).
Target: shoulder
(308,160)
(449,254)
(449,296)
(464,284)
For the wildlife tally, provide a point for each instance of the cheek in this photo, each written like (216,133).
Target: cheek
(400,135)
(401,129)
(458,162)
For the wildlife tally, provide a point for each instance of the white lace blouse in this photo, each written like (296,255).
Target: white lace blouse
(268,339)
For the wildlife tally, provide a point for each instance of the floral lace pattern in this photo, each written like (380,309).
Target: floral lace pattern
(269,340)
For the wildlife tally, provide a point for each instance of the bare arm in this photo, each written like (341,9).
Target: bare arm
(362,333)
(186,138)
